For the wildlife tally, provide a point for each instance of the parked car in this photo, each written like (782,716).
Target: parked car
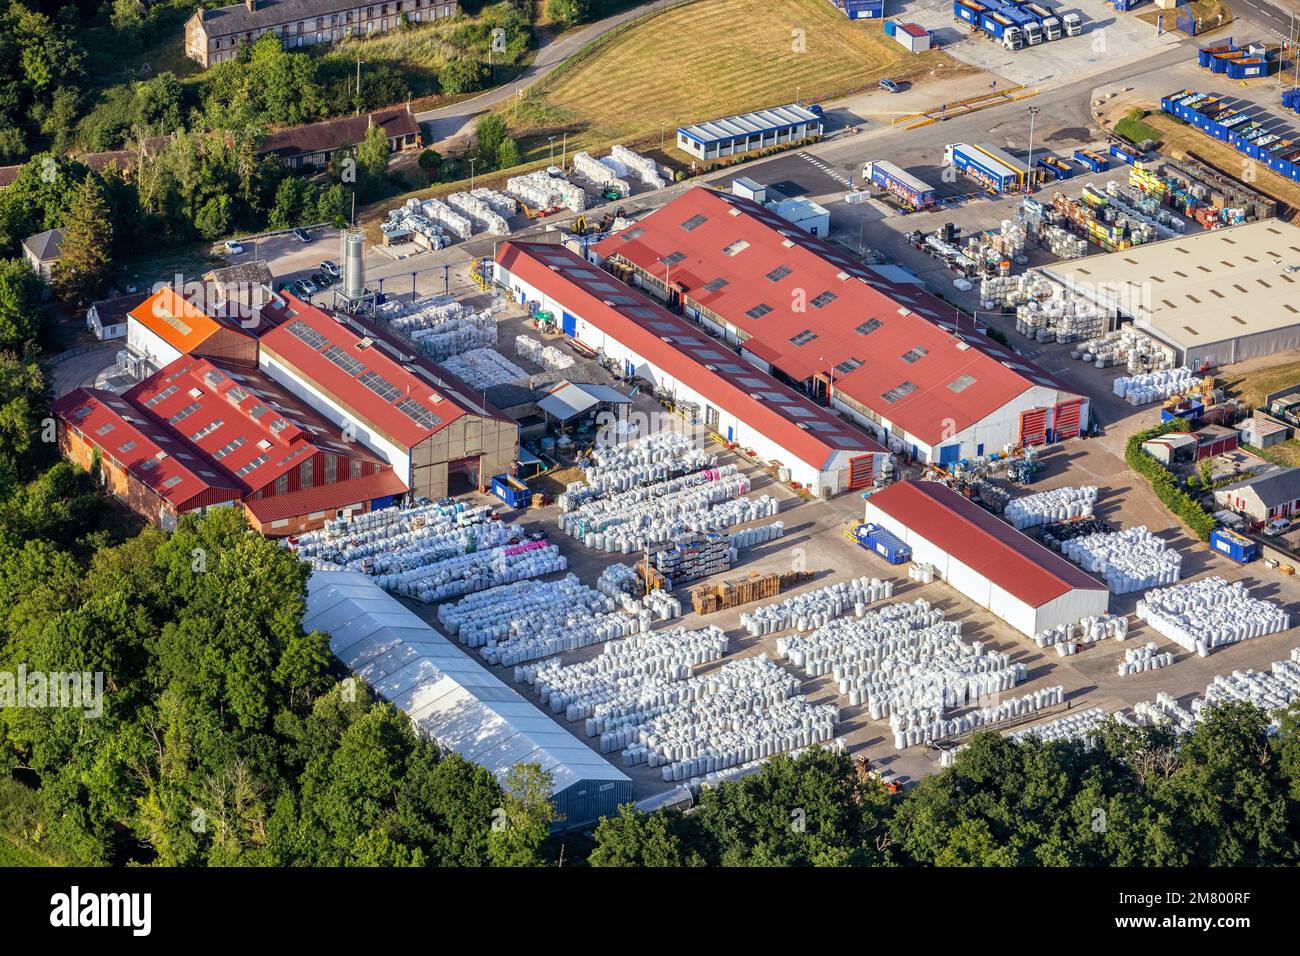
(555,172)
(889,86)
(304,287)
(1277,526)
(234,247)
(321,280)
(815,109)
(302,235)
(329,267)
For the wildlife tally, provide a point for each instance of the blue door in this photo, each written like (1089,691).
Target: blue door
(979,450)
(731,434)
(949,454)
(569,325)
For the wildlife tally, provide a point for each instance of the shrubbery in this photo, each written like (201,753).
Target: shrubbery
(1166,487)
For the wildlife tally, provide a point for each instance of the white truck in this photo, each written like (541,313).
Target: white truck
(1012,38)
(1051,28)
(1073,25)
(1033,34)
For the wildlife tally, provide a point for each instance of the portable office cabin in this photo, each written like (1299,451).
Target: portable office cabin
(910,36)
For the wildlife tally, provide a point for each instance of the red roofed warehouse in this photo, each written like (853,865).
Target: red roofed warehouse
(437,435)
(983,557)
(201,433)
(735,399)
(141,462)
(886,351)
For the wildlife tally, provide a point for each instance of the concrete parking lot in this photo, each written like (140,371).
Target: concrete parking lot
(1108,38)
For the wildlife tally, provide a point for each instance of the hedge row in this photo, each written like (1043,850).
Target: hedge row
(1167,487)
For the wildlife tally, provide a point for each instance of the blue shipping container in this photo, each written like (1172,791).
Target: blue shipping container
(1235,546)
(884,543)
(511,491)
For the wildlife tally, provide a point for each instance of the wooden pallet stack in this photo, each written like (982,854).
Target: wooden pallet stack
(737,591)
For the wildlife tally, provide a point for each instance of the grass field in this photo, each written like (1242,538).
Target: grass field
(1253,387)
(708,59)
(1135,129)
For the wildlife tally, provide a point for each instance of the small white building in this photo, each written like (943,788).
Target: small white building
(809,216)
(109,318)
(42,251)
(913,37)
(981,556)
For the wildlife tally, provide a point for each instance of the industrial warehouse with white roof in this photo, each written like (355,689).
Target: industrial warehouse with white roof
(749,131)
(1221,296)
(453,699)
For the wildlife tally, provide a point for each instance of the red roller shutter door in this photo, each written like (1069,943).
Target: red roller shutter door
(1033,427)
(1065,419)
(860,471)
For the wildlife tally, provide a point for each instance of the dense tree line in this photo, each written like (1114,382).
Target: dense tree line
(224,739)
(1227,794)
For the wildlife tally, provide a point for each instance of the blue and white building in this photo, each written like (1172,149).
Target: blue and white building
(748,132)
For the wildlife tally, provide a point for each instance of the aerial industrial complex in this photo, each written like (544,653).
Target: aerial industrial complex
(868,425)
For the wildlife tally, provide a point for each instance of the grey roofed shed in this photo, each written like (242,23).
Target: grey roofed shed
(568,399)
(454,699)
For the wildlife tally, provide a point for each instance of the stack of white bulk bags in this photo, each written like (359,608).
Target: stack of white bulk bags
(1130,560)
(923,726)
(1076,726)
(812,609)
(1049,507)
(1211,612)
(1137,660)
(1147,387)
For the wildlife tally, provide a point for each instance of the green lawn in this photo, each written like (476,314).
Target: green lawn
(1134,129)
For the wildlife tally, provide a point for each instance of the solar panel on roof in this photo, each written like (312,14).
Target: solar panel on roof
(301,330)
(899,391)
(417,413)
(343,360)
(380,386)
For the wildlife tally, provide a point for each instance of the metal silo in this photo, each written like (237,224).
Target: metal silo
(352,246)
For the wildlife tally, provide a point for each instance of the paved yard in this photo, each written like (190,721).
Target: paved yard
(814,537)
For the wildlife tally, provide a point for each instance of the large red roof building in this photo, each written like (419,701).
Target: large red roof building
(734,398)
(887,352)
(438,437)
(298,418)
(200,433)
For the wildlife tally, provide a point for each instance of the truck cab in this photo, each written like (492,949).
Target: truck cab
(1073,25)
(1033,34)
(1012,38)
(1051,29)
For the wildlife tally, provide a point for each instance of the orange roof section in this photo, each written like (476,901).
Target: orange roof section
(175,320)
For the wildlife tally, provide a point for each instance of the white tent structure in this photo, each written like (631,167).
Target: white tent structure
(454,699)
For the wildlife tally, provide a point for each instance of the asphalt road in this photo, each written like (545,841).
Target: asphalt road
(1264,14)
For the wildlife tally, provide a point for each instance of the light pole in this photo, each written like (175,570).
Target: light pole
(1029,178)
(472,161)
(359,62)
(550,140)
